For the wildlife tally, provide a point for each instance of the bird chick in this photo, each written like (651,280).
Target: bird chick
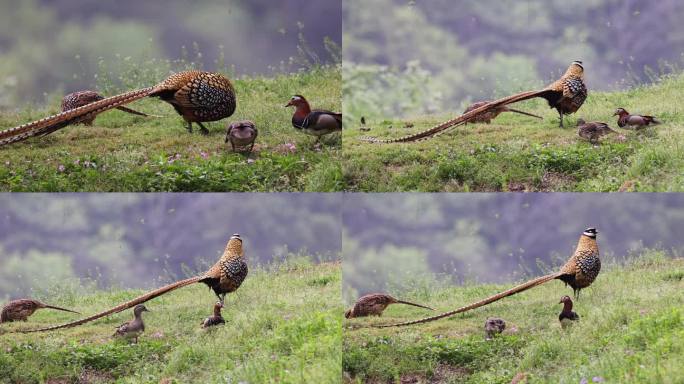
(241,134)
(567,315)
(130,330)
(593,130)
(374,304)
(494,326)
(628,121)
(21,309)
(216,318)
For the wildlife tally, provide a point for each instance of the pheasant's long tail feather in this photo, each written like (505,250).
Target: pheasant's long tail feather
(60,309)
(129,304)
(491,299)
(134,112)
(52,123)
(525,113)
(464,118)
(414,304)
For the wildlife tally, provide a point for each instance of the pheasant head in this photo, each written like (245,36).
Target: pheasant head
(234,248)
(575,69)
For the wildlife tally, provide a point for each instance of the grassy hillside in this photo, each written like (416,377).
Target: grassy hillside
(281,326)
(631,331)
(123,152)
(520,153)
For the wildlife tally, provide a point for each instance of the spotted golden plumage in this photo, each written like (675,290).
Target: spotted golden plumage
(81,98)
(223,277)
(196,95)
(21,309)
(579,272)
(566,95)
(374,304)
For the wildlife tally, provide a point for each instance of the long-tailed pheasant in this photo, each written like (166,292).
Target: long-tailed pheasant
(578,272)
(566,95)
(487,116)
(224,277)
(374,304)
(81,98)
(21,309)
(197,96)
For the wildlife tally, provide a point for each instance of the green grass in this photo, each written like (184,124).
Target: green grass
(631,330)
(122,152)
(281,326)
(517,152)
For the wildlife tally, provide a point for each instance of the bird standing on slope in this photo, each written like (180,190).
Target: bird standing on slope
(224,277)
(374,304)
(21,309)
(628,121)
(567,315)
(566,95)
(578,272)
(133,328)
(316,122)
(196,95)
(216,318)
(81,98)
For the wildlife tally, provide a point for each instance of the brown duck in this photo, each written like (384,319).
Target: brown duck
(628,121)
(567,315)
(374,304)
(494,326)
(20,310)
(133,328)
(241,134)
(315,122)
(216,318)
(592,130)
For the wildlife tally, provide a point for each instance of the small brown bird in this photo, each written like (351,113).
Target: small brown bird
(578,272)
(627,121)
(494,326)
(196,95)
(21,309)
(374,304)
(489,115)
(241,134)
(133,328)
(316,122)
(593,130)
(567,315)
(81,98)
(215,319)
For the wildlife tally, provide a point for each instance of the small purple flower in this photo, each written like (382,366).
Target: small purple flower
(584,381)
(77,162)
(60,168)
(597,379)
(204,155)
(7,162)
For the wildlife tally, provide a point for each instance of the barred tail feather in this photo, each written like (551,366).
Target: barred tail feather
(464,118)
(129,304)
(491,299)
(60,309)
(53,123)
(525,113)
(414,304)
